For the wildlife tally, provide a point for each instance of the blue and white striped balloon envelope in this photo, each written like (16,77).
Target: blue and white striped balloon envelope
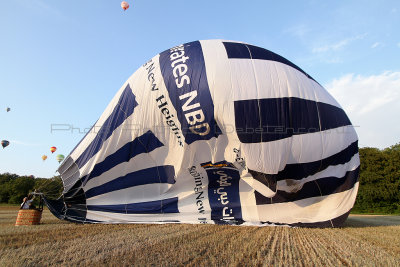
(215,132)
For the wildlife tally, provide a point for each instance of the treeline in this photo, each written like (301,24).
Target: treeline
(379,190)
(13,188)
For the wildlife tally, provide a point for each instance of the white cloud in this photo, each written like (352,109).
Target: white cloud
(337,45)
(374,91)
(332,60)
(377,44)
(333,47)
(372,103)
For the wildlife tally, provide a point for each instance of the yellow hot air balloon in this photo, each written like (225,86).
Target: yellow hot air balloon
(44,157)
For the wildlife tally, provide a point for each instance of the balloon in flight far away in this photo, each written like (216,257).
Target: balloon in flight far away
(53,149)
(60,158)
(124,5)
(4,143)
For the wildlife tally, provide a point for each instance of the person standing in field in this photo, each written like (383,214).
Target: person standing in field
(27,203)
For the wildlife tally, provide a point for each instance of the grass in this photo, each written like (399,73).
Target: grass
(363,241)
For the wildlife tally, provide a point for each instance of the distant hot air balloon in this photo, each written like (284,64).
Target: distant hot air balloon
(8,109)
(44,157)
(53,149)
(60,158)
(4,143)
(124,5)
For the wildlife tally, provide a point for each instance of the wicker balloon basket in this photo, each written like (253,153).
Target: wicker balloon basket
(28,217)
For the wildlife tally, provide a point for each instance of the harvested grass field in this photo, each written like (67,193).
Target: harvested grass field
(363,241)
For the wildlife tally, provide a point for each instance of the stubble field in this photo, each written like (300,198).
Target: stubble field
(363,241)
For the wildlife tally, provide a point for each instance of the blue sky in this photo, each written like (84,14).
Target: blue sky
(61,62)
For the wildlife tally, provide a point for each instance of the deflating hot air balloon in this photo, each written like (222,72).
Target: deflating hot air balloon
(59,158)
(4,143)
(124,5)
(53,149)
(215,132)
(44,157)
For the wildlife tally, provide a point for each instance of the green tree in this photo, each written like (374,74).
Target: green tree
(379,189)
(20,188)
(51,188)
(14,188)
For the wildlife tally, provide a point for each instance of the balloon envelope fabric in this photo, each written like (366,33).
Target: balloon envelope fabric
(211,132)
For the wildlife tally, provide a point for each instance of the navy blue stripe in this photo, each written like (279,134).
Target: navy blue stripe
(331,116)
(335,222)
(169,205)
(88,132)
(142,144)
(154,175)
(123,109)
(184,72)
(238,50)
(267,180)
(298,171)
(266,120)
(223,194)
(321,187)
